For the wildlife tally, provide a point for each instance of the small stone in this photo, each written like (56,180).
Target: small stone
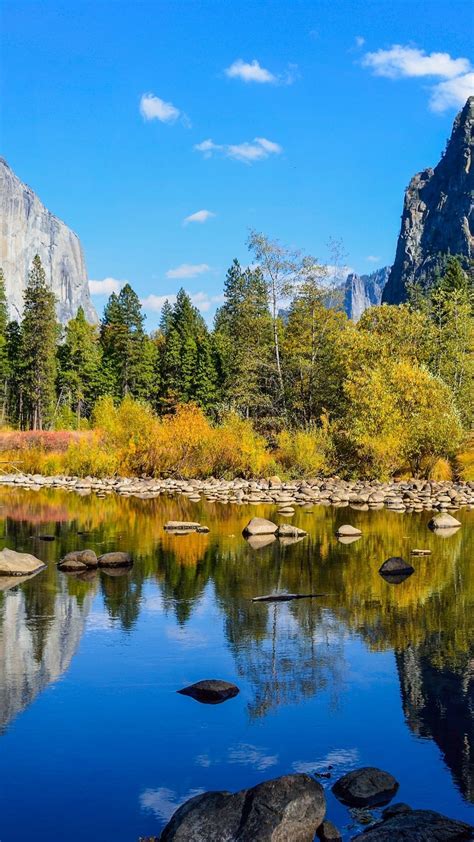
(211,691)
(366,787)
(328,832)
(260,526)
(116,559)
(72,561)
(181,525)
(286,530)
(396,566)
(348,531)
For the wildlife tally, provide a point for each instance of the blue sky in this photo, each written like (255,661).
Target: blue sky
(304,120)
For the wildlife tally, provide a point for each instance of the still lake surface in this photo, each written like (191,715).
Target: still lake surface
(95,743)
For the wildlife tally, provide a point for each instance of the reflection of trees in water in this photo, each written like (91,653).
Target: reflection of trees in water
(438,702)
(287,652)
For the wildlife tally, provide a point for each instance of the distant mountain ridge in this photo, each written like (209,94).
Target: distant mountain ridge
(363,291)
(28,228)
(438,216)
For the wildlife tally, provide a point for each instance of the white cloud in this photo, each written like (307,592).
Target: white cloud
(106,287)
(247,152)
(163,802)
(202,300)
(400,61)
(372,258)
(250,72)
(247,754)
(188,270)
(200,216)
(154,108)
(452,93)
(359,41)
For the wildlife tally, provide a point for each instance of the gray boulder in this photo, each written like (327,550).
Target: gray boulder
(260,526)
(19,564)
(328,832)
(77,560)
(286,809)
(114,560)
(443,521)
(418,826)
(348,531)
(396,569)
(366,787)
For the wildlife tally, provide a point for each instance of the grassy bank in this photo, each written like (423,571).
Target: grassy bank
(130,440)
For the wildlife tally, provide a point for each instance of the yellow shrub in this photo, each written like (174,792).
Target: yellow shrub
(465,461)
(305,452)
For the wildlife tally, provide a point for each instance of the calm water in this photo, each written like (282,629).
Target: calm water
(95,744)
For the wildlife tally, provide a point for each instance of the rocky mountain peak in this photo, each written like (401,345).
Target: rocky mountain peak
(438,216)
(28,228)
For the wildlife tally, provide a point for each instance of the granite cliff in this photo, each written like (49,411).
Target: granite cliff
(363,291)
(438,214)
(28,228)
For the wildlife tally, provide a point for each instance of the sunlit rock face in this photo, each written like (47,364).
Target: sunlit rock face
(364,291)
(438,214)
(35,651)
(27,228)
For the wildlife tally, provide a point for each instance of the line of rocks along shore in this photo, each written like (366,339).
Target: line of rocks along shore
(401,496)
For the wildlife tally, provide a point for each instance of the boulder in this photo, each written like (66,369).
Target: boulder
(394,568)
(19,564)
(288,808)
(260,526)
(211,691)
(286,530)
(328,832)
(348,531)
(114,560)
(366,787)
(395,810)
(443,521)
(78,559)
(418,826)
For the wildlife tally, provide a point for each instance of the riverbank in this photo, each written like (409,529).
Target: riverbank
(400,496)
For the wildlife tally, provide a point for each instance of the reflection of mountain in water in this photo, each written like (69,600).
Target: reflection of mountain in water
(439,703)
(34,653)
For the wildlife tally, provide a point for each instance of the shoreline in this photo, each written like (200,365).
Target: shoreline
(363,495)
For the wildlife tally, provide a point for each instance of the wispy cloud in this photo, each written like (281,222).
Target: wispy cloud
(372,258)
(188,270)
(163,802)
(247,754)
(200,216)
(202,300)
(106,287)
(359,41)
(252,71)
(409,62)
(154,108)
(248,152)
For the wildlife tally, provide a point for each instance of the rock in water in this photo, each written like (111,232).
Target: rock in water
(211,691)
(328,832)
(396,570)
(443,521)
(78,560)
(348,531)
(114,560)
(418,826)
(437,213)
(288,808)
(260,526)
(366,787)
(19,564)
(28,228)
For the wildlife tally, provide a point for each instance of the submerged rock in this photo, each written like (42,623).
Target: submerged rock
(395,810)
(19,564)
(290,808)
(328,832)
(443,521)
(418,826)
(181,526)
(260,526)
(211,691)
(366,787)
(286,530)
(285,597)
(78,559)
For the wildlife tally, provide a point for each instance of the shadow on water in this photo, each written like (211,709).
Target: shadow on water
(286,653)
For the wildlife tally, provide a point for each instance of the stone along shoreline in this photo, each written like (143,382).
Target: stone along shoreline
(401,496)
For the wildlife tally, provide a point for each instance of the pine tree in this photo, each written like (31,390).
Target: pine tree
(80,366)
(39,332)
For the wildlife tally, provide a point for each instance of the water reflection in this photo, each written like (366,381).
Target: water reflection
(287,652)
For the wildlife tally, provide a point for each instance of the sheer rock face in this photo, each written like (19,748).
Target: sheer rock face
(438,212)
(364,291)
(27,228)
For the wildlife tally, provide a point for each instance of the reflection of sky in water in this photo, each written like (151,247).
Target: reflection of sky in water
(370,675)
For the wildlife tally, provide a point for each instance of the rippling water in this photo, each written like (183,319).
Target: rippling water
(95,744)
